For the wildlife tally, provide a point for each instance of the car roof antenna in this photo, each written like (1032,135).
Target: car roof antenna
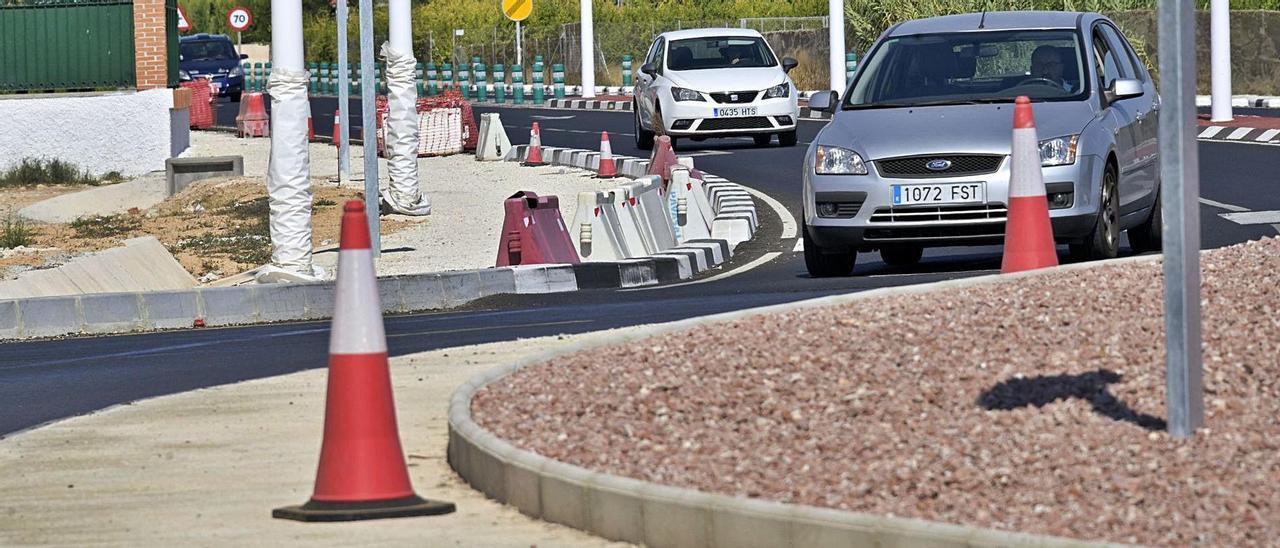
(982,23)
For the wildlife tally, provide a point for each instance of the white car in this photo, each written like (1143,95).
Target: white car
(715,83)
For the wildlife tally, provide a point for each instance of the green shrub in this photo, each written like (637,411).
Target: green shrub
(15,233)
(105,226)
(35,171)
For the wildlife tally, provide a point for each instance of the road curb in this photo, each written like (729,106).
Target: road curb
(630,510)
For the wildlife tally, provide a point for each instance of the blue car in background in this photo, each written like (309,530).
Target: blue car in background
(213,57)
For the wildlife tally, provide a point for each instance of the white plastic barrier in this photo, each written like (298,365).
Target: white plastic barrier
(629,227)
(691,219)
(493,144)
(651,212)
(597,231)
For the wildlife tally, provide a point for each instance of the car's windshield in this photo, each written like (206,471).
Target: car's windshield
(971,67)
(204,50)
(719,52)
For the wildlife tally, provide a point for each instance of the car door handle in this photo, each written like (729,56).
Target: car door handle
(1140,116)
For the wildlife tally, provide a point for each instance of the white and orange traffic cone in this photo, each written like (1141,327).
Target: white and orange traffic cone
(1028,233)
(362,472)
(608,168)
(534,157)
(337,128)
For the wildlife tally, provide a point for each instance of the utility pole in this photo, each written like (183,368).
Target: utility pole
(369,123)
(588,51)
(836,37)
(1220,54)
(344,98)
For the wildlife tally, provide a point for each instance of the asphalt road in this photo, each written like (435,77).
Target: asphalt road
(47,380)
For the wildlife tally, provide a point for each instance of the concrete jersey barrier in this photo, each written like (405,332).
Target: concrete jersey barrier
(597,230)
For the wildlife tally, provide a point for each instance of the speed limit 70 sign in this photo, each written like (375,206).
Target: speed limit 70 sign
(239,18)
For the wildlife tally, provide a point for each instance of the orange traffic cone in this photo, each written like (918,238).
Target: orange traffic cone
(662,159)
(1028,234)
(362,473)
(534,158)
(608,168)
(337,128)
(253,120)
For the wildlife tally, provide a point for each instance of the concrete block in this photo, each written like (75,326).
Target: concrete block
(823,527)
(488,470)
(460,287)
(733,230)
(9,319)
(170,309)
(228,305)
(923,534)
(319,299)
(111,312)
(696,258)
(390,297)
(524,483)
(733,525)
(685,265)
(281,302)
(748,211)
(181,172)
(496,281)
(614,274)
(564,495)
(675,517)
(704,255)
(50,316)
(668,268)
(718,254)
(545,278)
(616,509)
(415,292)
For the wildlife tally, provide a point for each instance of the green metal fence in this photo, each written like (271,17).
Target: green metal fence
(66,45)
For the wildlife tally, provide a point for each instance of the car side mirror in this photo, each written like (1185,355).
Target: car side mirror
(244,55)
(789,63)
(824,101)
(1124,88)
(648,68)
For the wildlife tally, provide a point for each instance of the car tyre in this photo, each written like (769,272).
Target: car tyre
(787,139)
(1104,241)
(902,255)
(763,140)
(823,263)
(1146,237)
(644,139)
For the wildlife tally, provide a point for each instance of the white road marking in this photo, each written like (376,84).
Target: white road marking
(1221,205)
(1253,217)
(544,117)
(708,153)
(788,222)
(760,261)
(799,246)
(1239,133)
(1210,132)
(1268,135)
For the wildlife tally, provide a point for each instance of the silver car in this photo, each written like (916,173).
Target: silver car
(917,152)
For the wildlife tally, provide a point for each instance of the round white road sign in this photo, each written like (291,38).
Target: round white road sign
(239,18)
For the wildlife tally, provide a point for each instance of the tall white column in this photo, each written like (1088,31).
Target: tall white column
(286,34)
(836,7)
(401,23)
(588,51)
(1220,54)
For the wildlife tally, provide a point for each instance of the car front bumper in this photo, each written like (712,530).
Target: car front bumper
(703,118)
(873,222)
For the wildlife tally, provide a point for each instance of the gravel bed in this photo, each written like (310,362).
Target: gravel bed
(1034,405)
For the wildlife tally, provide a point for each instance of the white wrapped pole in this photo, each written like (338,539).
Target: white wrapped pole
(836,38)
(1220,55)
(289,170)
(402,195)
(588,51)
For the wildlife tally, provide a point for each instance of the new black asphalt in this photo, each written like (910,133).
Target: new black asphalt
(41,381)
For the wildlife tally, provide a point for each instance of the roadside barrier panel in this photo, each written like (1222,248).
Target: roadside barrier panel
(630,227)
(662,159)
(597,230)
(493,144)
(534,233)
(653,215)
(201,103)
(252,120)
(691,220)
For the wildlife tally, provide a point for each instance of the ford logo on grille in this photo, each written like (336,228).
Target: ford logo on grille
(938,165)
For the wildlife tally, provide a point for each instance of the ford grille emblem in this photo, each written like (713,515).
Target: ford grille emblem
(938,165)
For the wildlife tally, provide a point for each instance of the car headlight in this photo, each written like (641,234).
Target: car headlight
(237,71)
(682,94)
(184,75)
(1058,152)
(838,161)
(780,90)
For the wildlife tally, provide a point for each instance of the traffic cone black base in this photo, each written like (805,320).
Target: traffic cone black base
(317,511)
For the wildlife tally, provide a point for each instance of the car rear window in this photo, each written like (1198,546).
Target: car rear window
(719,52)
(207,50)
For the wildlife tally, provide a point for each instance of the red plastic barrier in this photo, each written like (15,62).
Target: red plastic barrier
(252,120)
(534,233)
(201,109)
(662,159)
(470,131)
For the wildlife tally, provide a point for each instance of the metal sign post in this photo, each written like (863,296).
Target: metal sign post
(369,123)
(1180,193)
(344,98)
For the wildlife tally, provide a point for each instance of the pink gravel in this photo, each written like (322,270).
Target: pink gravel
(1032,405)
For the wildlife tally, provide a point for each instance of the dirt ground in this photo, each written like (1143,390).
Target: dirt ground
(215,227)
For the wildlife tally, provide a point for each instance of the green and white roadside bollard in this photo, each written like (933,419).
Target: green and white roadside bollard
(464,81)
(266,75)
(257,76)
(418,71)
(626,71)
(517,85)
(499,83)
(557,79)
(539,88)
(355,79)
(432,83)
(850,66)
(446,73)
(313,86)
(247,70)
(482,82)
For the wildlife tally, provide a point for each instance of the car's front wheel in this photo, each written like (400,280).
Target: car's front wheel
(824,263)
(644,139)
(1104,242)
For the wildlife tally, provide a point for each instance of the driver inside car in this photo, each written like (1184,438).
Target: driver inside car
(1046,63)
